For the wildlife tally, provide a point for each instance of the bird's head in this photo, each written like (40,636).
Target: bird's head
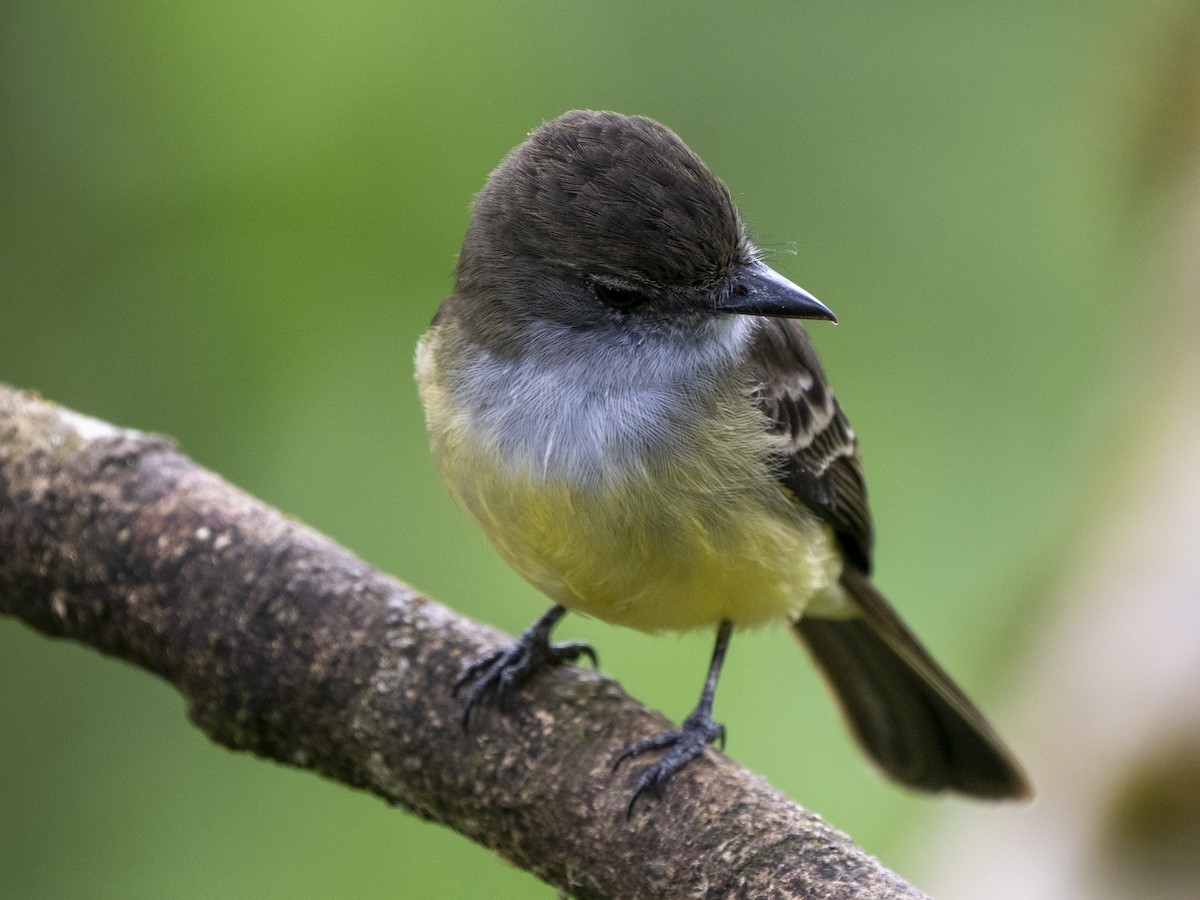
(600,220)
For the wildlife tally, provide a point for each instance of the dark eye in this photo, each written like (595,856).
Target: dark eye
(615,297)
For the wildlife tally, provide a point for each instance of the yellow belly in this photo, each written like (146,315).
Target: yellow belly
(692,566)
(653,557)
(680,540)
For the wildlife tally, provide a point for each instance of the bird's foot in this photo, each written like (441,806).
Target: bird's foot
(503,671)
(682,746)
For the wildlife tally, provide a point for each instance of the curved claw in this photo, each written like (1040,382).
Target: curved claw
(572,650)
(503,671)
(682,747)
(654,742)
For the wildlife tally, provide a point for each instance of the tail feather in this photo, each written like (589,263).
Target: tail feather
(905,711)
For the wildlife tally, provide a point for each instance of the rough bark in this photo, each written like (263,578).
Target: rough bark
(286,645)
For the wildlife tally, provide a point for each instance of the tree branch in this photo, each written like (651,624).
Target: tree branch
(286,645)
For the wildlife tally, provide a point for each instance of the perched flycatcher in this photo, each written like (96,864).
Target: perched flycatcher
(619,394)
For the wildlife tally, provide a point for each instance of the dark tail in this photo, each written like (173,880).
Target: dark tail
(905,711)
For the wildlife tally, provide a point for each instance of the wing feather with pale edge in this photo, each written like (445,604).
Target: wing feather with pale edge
(823,470)
(907,713)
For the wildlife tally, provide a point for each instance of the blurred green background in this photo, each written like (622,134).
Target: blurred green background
(230,222)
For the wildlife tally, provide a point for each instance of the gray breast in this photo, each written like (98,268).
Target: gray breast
(587,409)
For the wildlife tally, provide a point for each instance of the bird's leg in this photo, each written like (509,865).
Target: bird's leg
(506,669)
(688,742)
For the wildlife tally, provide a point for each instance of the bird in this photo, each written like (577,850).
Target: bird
(621,395)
